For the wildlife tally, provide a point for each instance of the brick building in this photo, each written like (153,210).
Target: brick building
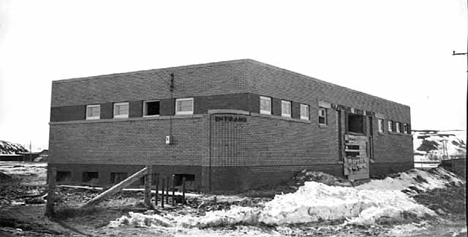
(228,125)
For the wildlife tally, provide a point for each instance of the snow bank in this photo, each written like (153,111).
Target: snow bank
(315,201)
(141,220)
(362,205)
(413,180)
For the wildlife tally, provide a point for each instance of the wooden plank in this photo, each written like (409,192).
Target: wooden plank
(51,177)
(116,188)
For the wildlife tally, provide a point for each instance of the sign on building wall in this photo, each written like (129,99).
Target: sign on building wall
(356,160)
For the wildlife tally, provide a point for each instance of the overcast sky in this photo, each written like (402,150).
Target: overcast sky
(399,50)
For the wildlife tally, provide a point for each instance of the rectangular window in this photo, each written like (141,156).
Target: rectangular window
(151,108)
(121,110)
(405,128)
(93,112)
(356,123)
(265,105)
(90,177)
(117,177)
(184,106)
(381,125)
(286,108)
(397,127)
(390,126)
(322,113)
(63,176)
(305,112)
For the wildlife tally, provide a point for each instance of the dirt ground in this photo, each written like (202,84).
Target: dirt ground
(22,206)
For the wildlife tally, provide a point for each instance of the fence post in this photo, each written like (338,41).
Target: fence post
(157,191)
(167,190)
(162,190)
(148,186)
(173,190)
(183,190)
(51,177)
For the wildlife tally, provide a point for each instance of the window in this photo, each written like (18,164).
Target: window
(381,125)
(356,123)
(184,106)
(397,127)
(151,108)
(305,112)
(322,113)
(90,177)
(390,126)
(93,112)
(63,176)
(405,128)
(286,108)
(121,110)
(117,177)
(265,105)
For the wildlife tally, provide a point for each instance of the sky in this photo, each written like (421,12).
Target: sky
(399,50)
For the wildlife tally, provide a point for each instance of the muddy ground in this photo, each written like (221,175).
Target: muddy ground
(22,192)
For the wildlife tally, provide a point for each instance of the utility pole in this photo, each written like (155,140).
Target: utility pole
(466,53)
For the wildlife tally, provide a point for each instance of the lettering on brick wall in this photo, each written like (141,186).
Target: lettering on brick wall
(230,119)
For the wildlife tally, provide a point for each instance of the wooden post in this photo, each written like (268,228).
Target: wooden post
(173,190)
(183,190)
(162,190)
(148,186)
(167,190)
(157,191)
(51,177)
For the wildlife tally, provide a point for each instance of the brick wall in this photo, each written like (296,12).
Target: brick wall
(129,142)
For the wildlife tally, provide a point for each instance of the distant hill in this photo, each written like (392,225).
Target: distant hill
(439,145)
(11,148)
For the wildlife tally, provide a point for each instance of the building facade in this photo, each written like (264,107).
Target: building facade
(224,126)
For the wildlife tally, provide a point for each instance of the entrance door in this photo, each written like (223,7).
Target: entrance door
(356,159)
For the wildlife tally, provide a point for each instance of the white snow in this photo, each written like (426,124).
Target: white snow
(313,202)
(415,178)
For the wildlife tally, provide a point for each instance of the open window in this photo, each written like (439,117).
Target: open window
(151,108)
(322,116)
(356,123)
(63,176)
(90,177)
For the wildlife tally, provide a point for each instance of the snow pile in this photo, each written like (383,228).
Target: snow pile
(362,205)
(315,201)
(415,180)
(141,220)
(233,216)
(320,177)
(11,148)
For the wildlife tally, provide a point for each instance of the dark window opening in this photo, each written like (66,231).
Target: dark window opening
(151,108)
(90,177)
(179,178)
(356,123)
(352,153)
(117,177)
(322,112)
(352,147)
(63,176)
